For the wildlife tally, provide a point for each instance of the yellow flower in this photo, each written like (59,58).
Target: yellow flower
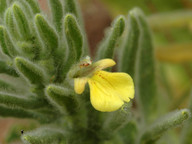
(108,91)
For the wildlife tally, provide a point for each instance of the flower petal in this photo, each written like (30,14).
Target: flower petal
(104,63)
(122,83)
(103,98)
(79,85)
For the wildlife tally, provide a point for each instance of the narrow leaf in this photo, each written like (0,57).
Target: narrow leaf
(155,131)
(145,71)
(34,6)
(130,46)
(6,43)
(6,86)
(3,6)
(187,130)
(22,113)
(46,32)
(57,13)
(106,49)
(45,135)
(74,36)
(30,102)
(74,42)
(115,121)
(26,7)
(30,70)
(129,132)
(72,7)
(28,48)
(4,68)
(62,98)
(11,24)
(22,21)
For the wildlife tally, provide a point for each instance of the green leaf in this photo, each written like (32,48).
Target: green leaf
(23,113)
(3,6)
(22,21)
(145,71)
(38,45)
(28,48)
(6,43)
(5,68)
(45,135)
(47,33)
(129,132)
(26,7)
(187,130)
(74,37)
(107,48)
(59,63)
(34,6)
(130,46)
(72,7)
(57,13)
(62,98)
(14,133)
(30,102)
(30,70)
(156,130)
(7,86)
(115,121)
(11,24)
(74,42)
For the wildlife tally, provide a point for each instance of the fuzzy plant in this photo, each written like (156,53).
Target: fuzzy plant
(45,65)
